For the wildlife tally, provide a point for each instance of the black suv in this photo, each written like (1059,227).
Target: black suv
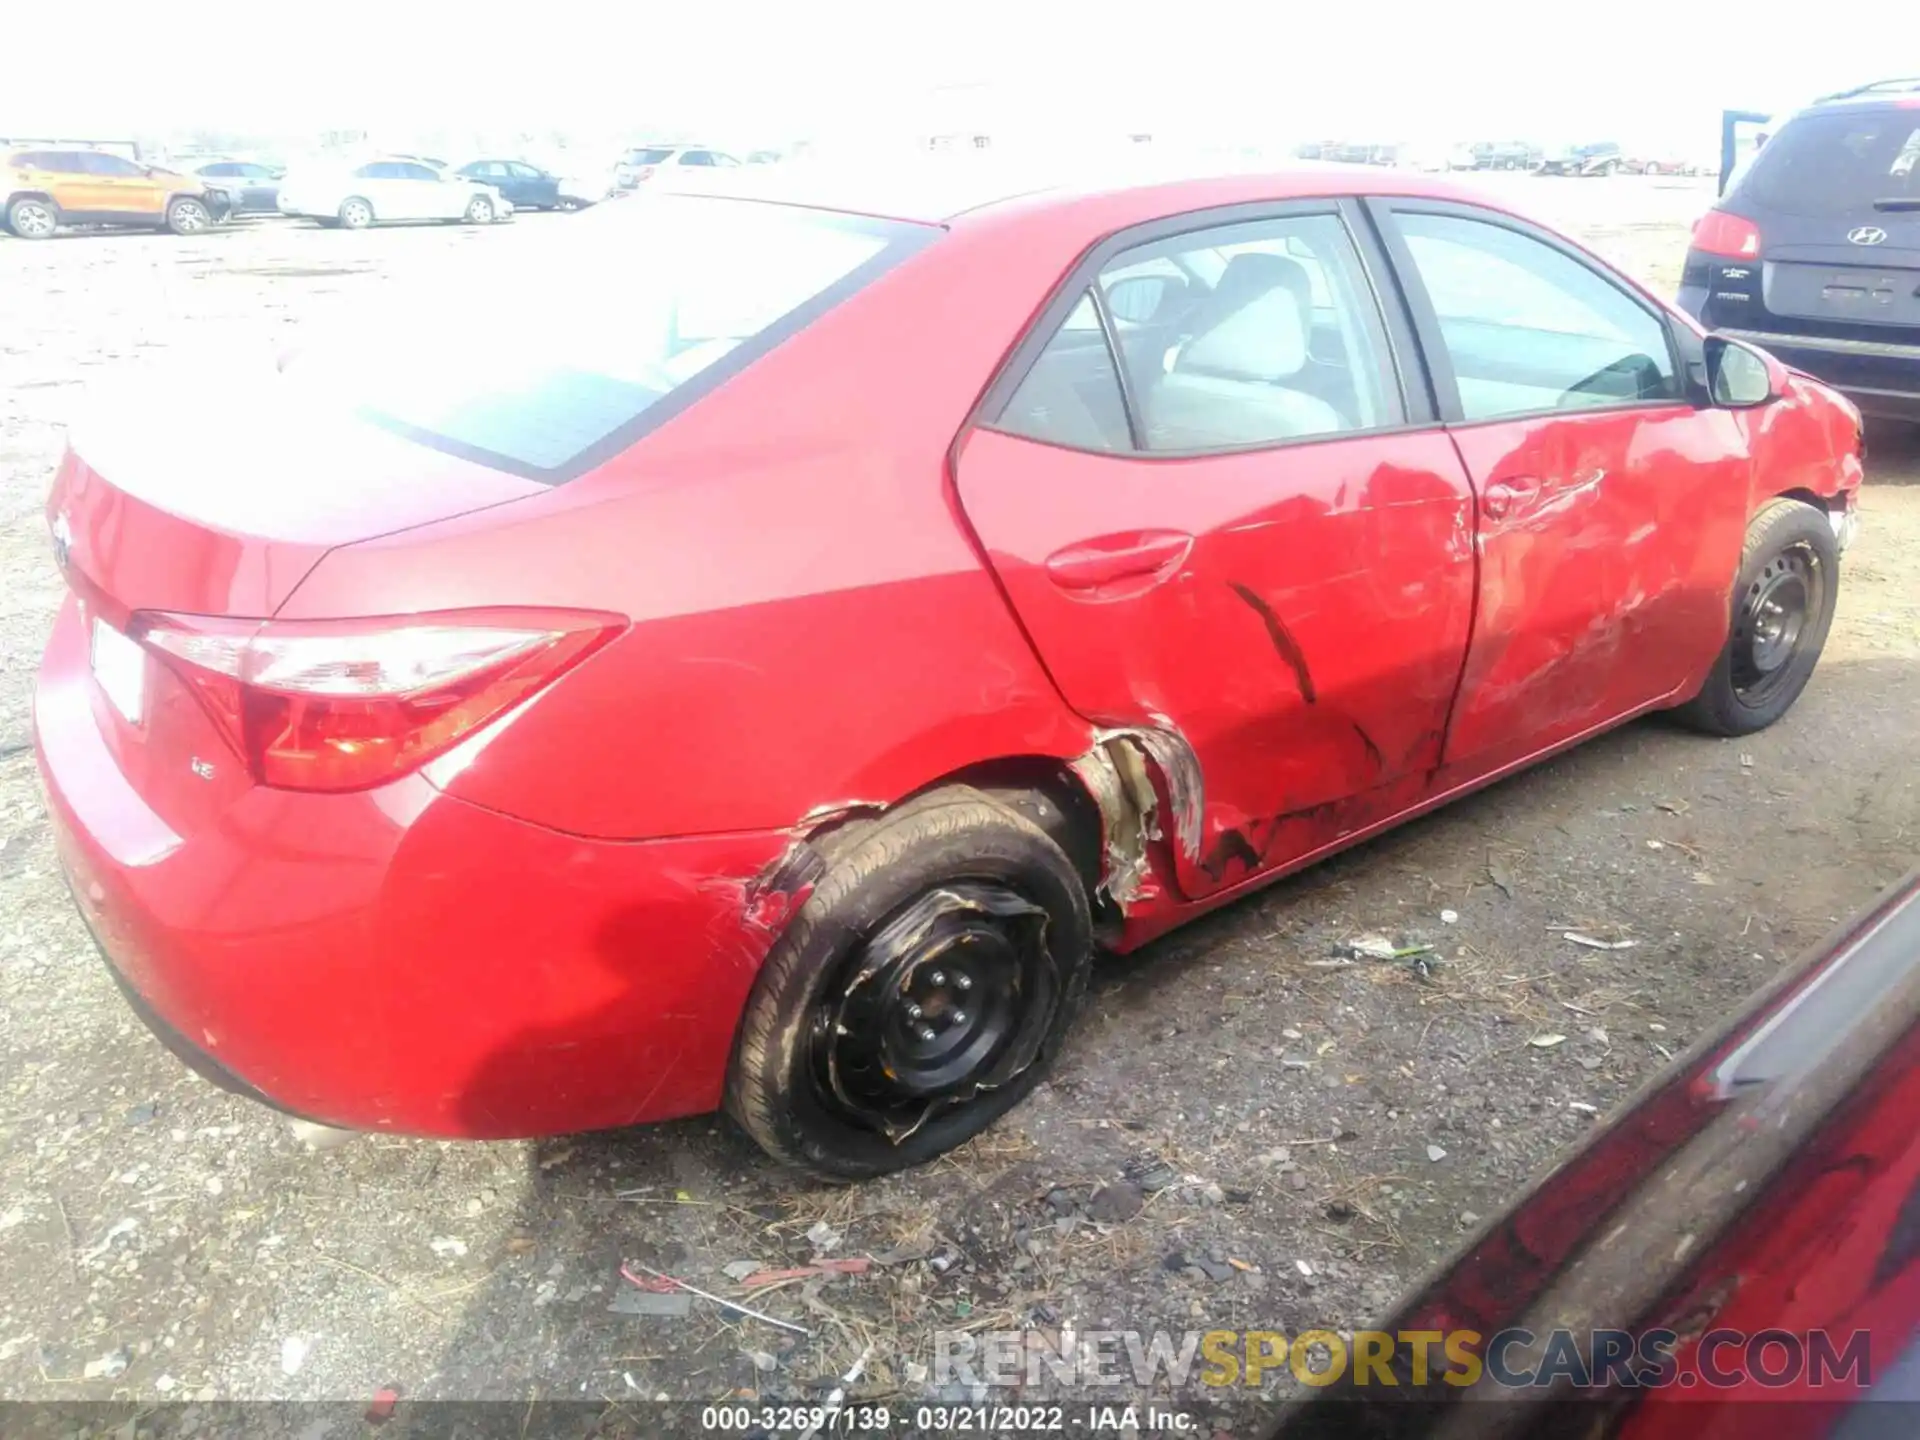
(1814,252)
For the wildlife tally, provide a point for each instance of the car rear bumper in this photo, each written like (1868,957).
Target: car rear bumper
(400,960)
(1882,379)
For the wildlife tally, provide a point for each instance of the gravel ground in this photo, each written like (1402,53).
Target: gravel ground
(1304,1140)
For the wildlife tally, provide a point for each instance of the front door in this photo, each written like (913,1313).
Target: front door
(1198,485)
(1610,509)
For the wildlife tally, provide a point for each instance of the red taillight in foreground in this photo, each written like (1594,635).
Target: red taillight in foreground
(1734,236)
(346,704)
(646,172)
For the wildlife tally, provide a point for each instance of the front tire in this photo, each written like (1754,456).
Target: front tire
(479,211)
(1782,609)
(355,213)
(187,216)
(921,993)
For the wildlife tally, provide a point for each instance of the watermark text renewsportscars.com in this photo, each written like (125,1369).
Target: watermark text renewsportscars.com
(1381,1359)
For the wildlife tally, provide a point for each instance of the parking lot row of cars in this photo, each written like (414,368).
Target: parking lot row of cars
(1597,157)
(46,188)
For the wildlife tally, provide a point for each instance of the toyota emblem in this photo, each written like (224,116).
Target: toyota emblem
(1867,235)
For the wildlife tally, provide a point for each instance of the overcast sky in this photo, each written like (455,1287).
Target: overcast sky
(1479,68)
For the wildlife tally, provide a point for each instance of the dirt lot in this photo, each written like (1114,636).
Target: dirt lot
(160,1239)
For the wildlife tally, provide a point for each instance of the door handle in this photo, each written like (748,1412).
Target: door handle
(1093,564)
(1505,498)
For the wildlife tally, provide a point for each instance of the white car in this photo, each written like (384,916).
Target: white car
(684,164)
(380,191)
(583,185)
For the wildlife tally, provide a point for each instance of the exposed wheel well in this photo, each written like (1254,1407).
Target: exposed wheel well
(1805,497)
(1039,787)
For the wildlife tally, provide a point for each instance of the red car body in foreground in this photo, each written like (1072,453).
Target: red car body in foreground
(456,766)
(1756,1204)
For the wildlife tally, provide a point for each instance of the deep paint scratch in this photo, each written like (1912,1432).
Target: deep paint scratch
(1283,641)
(775,895)
(1373,751)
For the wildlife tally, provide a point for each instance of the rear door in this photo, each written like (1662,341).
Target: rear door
(1221,514)
(77,187)
(127,189)
(1836,194)
(379,183)
(262,189)
(1610,510)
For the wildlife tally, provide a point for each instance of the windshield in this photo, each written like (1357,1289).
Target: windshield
(559,352)
(1837,162)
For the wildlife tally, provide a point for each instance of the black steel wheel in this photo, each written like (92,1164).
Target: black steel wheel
(1782,607)
(1772,616)
(953,997)
(921,992)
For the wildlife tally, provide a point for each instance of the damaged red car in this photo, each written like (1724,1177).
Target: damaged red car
(758,658)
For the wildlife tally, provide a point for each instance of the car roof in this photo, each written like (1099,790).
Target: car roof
(941,190)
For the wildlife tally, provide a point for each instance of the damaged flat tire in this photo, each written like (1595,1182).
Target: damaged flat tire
(922,992)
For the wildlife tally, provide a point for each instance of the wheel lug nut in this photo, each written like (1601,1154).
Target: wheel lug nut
(959,1017)
(963,982)
(913,1011)
(926,1033)
(938,977)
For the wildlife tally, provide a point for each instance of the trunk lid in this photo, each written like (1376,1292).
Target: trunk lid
(169,503)
(1859,272)
(219,499)
(1864,298)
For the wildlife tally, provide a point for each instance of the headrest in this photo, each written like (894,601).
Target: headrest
(1253,326)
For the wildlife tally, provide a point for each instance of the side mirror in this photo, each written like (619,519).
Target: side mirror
(1740,377)
(1138,298)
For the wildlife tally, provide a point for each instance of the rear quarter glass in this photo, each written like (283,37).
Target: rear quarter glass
(597,334)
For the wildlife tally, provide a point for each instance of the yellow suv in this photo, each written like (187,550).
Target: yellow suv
(45,189)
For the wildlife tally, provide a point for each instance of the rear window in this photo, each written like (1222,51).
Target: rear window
(647,157)
(550,359)
(1839,163)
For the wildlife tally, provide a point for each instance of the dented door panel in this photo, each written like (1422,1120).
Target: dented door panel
(1608,543)
(1297,616)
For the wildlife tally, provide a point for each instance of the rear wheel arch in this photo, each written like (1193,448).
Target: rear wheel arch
(1042,789)
(1045,791)
(877,928)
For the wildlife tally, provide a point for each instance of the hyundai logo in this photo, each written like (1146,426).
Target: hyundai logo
(1867,235)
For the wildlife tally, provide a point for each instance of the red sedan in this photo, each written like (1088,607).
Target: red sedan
(756,656)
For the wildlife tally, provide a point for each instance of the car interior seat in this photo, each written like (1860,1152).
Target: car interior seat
(1227,383)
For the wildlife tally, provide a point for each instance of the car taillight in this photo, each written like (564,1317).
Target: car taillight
(645,172)
(339,705)
(1734,236)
